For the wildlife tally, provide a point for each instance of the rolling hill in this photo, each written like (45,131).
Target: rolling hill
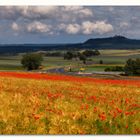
(115,42)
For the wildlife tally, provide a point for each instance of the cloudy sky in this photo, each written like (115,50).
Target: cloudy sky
(66,24)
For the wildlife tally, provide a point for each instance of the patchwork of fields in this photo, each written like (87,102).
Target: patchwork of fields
(109,58)
(33,103)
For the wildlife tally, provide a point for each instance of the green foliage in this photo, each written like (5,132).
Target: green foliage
(83,58)
(132,67)
(68,55)
(54,54)
(81,55)
(101,62)
(89,53)
(115,68)
(96,52)
(31,61)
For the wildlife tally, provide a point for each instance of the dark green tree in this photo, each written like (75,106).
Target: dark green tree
(101,62)
(132,67)
(68,55)
(89,53)
(96,52)
(31,61)
(83,58)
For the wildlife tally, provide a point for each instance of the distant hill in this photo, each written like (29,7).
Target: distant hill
(116,42)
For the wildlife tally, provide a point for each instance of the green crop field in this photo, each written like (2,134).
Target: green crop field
(109,58)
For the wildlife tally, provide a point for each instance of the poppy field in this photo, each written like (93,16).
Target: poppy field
(32,103)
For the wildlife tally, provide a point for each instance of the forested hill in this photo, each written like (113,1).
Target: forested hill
(116,42)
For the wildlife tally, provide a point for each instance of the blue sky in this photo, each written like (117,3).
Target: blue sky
(66,24)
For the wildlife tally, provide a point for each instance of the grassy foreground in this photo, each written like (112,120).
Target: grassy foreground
(68,105)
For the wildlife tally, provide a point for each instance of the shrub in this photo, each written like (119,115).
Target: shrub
(101,62)
(107,69)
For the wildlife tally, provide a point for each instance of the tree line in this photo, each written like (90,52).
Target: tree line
(81,55)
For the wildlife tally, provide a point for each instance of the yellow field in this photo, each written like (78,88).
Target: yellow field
(30,106)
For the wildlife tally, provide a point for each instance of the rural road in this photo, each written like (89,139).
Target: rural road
(95,74)
(61,70)
(56,70)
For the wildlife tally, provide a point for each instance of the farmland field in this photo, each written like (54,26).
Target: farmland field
(109,58)
(32,103)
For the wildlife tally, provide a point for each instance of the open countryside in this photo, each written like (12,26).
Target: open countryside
(61,103)
(69,70)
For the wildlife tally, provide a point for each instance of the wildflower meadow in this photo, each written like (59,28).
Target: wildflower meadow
(32,103)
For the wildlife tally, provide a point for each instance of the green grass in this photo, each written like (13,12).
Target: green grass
(120,52)
(10,63)
(109,59)
(89,69)
(96,68)
(11,67)
(99,67)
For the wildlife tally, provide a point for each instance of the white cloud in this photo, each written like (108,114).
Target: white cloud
(7,12)
(38,27)
(124,24)
(70,28)
(54,19)
(27,12)
(38,12)
(99,27)
(15,26)
(45,12)
(73,28)
(82,11)
(74,13)
(87,27)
